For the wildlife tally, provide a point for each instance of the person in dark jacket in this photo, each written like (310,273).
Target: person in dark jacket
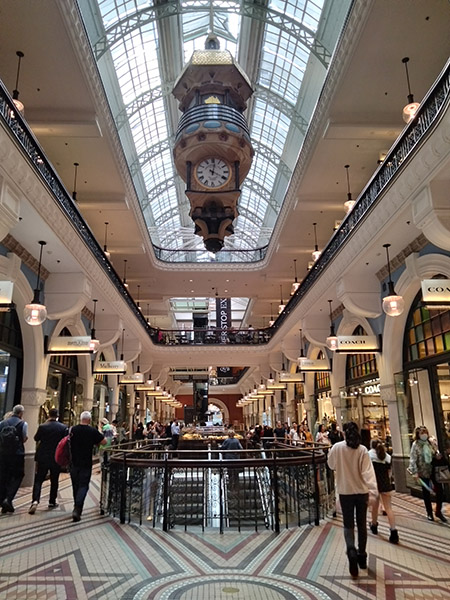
(48,436)
(12,466)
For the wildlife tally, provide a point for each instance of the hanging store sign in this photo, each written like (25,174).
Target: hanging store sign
(275,386)
(6,292)
(223,318)
(356,344)
(317,365)
(292,378)
(117,367)
(68,345)
(436,293)
(132,378)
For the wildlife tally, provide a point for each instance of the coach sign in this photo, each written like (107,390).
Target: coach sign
(356,344)
(436,293)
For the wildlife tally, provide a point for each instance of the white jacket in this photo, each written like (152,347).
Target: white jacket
(354,469)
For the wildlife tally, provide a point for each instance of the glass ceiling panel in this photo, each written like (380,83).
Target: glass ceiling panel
(140,61)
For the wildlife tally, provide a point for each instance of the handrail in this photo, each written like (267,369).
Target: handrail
(226,255)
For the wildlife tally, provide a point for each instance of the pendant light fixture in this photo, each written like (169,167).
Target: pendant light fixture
(350,203)
(332,340)
(124,281)
(123,340)
(316,252)
(411,108)
(74,193)
(138,299)
(282,305)
(36,313)
(272,320)
(94,342)
(296,284)
(148,314)
(18,104)
(105,246)
(393,305)
(302,357)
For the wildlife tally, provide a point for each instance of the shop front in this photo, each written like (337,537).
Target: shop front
(11,361)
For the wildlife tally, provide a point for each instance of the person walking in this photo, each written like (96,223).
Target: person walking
(13,435)
(175,431)
(231,443)
(381,462)
(355,479)
(421,468)
(82,441)
(47,437)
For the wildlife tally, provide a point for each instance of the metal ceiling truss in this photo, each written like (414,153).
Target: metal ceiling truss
(245,9)
(267,153)
(150,153)
(142,101)
(263,93)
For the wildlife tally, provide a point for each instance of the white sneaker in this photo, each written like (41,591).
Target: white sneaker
(33,508)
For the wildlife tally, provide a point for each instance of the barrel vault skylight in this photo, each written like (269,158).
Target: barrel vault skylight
(141,47)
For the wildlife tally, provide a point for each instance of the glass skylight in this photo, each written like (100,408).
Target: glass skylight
(148,45)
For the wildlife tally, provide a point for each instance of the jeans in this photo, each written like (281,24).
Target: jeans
(81,477)
(349,504)
(12,471)
(41,473)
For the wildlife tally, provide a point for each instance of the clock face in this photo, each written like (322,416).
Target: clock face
(213,172)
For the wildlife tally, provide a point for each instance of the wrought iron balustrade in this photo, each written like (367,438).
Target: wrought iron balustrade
(199,255)
(199,337)
(263,489)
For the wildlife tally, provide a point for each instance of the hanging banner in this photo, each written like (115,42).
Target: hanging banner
(223,318)
(117,367)
(68,345)
(436,293)
(317,365)
(291,378)
(357,344)
(6,292)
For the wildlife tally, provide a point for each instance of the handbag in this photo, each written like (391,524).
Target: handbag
(442,474)
(63,454)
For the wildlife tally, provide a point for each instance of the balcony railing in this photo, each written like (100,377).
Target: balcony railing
(192,337)
(198,255)
(264,489)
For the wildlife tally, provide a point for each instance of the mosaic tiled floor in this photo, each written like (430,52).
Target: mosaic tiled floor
(48,557)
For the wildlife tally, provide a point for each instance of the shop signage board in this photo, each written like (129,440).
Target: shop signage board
(317,365)
(132,378)
(6,292)
(68,345)
(436,293)
(117,367)
(356,344)
(292,378)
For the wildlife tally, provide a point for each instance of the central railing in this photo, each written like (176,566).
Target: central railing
(262,489)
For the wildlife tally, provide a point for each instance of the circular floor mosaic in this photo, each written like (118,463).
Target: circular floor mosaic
(227,586)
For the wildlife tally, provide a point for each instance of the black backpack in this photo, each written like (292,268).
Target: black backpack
(11,438)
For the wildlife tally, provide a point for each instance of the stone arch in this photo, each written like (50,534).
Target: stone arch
(223,407)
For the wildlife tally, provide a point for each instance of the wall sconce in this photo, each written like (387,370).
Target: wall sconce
(36,313)
(349,203)
(295,284)
(316,252)
(393,305)
(332,341)
(410,109)
(94,343)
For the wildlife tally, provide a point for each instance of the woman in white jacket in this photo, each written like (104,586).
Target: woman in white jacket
(355,480)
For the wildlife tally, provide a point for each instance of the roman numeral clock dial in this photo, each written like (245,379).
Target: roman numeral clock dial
(213,173)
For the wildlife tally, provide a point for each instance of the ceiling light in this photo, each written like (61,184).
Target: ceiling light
(36,313)
(124,281)
(271,380)
(93,343)
(18,104)
(393,305)
(138,299)
(295,284)
(105,247)
(316,252)
(332,340)
(411,108)
(282,305)
(350,203)
(272,320)
(302,356)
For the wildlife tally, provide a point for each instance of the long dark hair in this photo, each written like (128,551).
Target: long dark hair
(352,435)
(380,450)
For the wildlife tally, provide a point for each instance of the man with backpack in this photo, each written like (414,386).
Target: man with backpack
(13,435)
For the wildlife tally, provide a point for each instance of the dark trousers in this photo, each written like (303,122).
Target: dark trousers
(175,439)
(81,477)
(12,471)
(439,491)
(352,504)
(42,468)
